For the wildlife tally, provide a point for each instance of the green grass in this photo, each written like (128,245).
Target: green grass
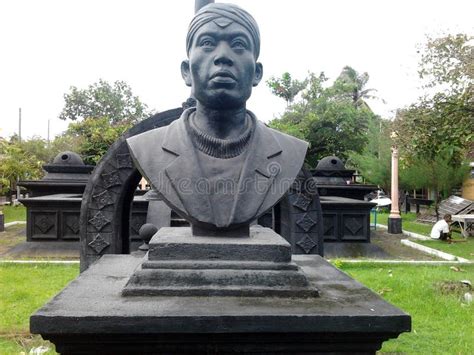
(441,322)
(409,224)
(14,213)
(23,289)
(464,249)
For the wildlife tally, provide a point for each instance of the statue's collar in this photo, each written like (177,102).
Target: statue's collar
(215,147)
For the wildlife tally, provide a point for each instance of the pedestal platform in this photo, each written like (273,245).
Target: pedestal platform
(90,316)
(181,264)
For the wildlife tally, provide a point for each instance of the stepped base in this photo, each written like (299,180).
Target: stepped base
(90,317)
(179,264)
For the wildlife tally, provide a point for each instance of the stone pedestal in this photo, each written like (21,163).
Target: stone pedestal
(181,264)
(395,225)
(90,316)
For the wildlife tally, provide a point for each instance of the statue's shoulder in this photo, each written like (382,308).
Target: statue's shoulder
(148,140)
(149,136)
(286,142)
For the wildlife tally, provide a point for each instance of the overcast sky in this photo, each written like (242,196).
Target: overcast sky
(48,46)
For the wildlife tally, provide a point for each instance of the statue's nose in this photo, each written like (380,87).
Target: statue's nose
(223,54)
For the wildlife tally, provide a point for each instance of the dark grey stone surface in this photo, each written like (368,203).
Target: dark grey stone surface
(66,174)
(90,316)
(333,179)
(217,165)
(179,244)
(345,219)
(109,193)
(57,217)
(180,264)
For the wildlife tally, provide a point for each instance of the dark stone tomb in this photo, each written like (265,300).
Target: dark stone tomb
(333,179)
(67,174)
(224,284)
(346,216)
(53,204)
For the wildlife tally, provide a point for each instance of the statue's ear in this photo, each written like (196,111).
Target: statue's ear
(258,74)
(185,73)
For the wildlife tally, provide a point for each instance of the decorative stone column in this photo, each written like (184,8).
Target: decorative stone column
(394,219)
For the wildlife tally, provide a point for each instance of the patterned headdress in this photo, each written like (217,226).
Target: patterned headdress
(232,12)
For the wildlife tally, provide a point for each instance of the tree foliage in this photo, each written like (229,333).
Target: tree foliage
(17,163)
(115,102)
(439,174)
(441,121)
(436,133)
(102,113)
(352,85)
(286,87)
(94,136)
(23,160)
(327,118)
(448,60)
(374,162)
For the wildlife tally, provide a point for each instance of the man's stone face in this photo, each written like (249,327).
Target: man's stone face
(222,67)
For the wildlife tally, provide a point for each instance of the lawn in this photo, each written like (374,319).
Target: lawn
(23,289)
(464,248)
(441,322)
(461,247)
(409,224)
(14,213)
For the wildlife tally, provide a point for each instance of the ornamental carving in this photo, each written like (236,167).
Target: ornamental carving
(306,222)
(111,179)
(98,244)
(306,243)
(99,221)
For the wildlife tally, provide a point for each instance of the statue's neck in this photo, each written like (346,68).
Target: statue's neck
(222,124)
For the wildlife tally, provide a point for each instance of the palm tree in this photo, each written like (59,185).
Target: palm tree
(350,84)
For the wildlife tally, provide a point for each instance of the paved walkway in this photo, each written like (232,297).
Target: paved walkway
(384,246)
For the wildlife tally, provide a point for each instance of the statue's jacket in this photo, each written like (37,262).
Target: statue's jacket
(167,158)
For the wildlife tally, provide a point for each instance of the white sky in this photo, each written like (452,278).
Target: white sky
(47,46)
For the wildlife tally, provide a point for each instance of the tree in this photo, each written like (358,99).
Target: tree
(440,175)
(286,87)
(436,132)
(442,120)
(352,85)
(329,121)
(374,162)
(94,136)
(448,60)
(16,164)
(115,102)
(101,113)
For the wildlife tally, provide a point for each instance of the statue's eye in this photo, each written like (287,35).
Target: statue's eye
(239,44)
(207,42)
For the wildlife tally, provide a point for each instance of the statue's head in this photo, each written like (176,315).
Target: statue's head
(223,45)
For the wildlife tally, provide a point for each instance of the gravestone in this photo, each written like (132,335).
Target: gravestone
(224,284)
(345,213)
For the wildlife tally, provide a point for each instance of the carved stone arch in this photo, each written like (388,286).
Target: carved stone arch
(107,199)
(106,202)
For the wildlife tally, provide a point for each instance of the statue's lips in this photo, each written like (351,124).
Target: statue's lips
(224,77)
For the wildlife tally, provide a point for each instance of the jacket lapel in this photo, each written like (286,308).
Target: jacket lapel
(260,170)
(184,172)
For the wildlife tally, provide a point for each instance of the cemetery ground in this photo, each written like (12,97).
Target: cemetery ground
(432,294)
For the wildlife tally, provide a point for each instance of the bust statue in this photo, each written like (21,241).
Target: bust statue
(217,165)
